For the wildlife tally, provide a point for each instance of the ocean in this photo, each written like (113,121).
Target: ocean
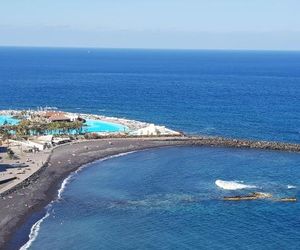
(169,198)
(228,93)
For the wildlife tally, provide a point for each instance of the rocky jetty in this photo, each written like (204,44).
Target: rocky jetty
(258,196)
(252,196)
(240,143)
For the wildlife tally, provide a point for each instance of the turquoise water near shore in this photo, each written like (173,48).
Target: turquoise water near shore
(168,199)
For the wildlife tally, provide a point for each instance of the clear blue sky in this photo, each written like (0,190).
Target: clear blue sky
(188,24)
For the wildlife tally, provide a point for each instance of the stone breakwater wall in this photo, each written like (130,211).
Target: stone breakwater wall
(240,143)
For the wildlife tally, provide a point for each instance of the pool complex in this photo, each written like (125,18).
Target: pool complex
(92,126)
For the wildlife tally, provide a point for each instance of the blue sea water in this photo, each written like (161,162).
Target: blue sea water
(167,198)
(230,93)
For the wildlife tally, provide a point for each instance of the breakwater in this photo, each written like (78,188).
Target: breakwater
(239,143)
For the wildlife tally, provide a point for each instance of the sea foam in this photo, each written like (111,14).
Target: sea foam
(34,232)
(232,185)
(291,187)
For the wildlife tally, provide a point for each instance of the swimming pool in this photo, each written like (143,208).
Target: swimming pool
(8,119)
(93,126)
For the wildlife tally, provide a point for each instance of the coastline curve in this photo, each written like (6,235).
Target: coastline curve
(41,190)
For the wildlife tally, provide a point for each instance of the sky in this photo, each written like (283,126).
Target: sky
(163,24)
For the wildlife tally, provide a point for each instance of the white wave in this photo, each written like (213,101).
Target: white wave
(118,155)
(63,186)
(232,185)
(67,180)
(34,231)
(100,160)
(291,187)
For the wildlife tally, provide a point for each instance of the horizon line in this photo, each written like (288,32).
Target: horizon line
(149,49)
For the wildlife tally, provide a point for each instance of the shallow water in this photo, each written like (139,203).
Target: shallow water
(167,198)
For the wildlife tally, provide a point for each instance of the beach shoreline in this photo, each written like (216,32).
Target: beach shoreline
(40,189)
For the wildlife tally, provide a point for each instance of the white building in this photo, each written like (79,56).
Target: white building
(153,130)
(29,145)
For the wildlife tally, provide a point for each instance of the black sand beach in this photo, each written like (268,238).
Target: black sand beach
(17,206)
